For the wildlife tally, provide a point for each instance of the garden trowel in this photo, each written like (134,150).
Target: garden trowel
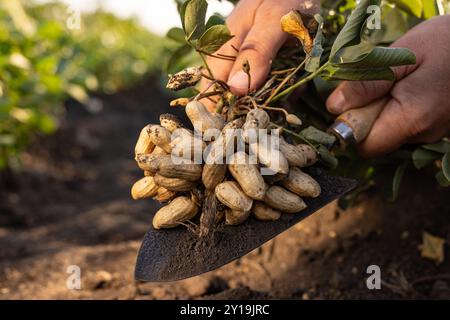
(175,254)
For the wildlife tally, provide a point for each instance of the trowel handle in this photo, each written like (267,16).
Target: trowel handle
(353,126)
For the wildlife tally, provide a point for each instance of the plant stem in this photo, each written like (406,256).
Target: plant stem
(292,133)
(206,65)
(285,80)
(310,77)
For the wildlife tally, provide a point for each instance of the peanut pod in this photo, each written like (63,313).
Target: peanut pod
(263,212)
(213,174)
(144,144)
(179,210)
(311,155)
(301,183)
(161,137)
(247,175)
(283,200)
(144,188)
(235,217)
(164,195)
(148,162)
(174,184)
(187,146)
(165,167)
(256,119)
(294,156)
(170,122)
(269,155)
(231,195)
(202,119)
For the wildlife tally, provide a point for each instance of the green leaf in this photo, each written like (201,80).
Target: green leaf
(214,38)
(315,136)
(441,147)
(176,34)
(214,20)
(422,158)
(413,7)
(176,57)
(397,181)
(442,180)
(430,9)
(357,74)
(446,165)
(350,34)
(313,60)
(193,15)
(379,57)
(327,158)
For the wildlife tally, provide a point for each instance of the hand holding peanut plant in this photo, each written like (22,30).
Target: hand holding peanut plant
(234,189)
(418,109)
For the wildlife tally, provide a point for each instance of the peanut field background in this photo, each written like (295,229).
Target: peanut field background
(71,107)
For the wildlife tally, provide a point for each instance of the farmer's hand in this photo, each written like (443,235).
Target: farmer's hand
(418,109)
(257,32)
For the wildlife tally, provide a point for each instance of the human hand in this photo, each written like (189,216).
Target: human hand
(257,32)
(418,105)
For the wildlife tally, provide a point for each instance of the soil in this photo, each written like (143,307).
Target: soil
(70,205)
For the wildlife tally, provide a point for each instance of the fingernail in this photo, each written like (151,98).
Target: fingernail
(337,102)
(239,81)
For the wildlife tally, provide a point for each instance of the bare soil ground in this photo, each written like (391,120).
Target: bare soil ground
(71,206)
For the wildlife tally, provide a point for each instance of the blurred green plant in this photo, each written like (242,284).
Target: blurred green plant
(43,62)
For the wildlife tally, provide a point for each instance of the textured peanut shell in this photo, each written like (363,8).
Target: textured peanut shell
(293,155)
(283,200)
(231,195)
(174,184)
(165,167)
(179,210)
(164,195)
(161,137)
(301,184)
(144,144)
(263,212)
(213,174)
(310,154)
(235,217)
(201,118)
(247,175)
(144,188)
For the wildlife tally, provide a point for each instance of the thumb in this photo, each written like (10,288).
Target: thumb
(258,48)
(350,95)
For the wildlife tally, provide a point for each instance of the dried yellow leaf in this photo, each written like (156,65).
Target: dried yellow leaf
(432,248)
(292,23)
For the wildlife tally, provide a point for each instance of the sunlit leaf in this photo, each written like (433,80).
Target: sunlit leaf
(379,57)
(293,24)
(214,20)
(432,248)
(214,38)
(430,9)
(357,74)
(176,34)
(413,7)
(350,34)
(193,15)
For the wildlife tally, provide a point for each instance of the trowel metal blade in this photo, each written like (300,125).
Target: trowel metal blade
(175,254)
